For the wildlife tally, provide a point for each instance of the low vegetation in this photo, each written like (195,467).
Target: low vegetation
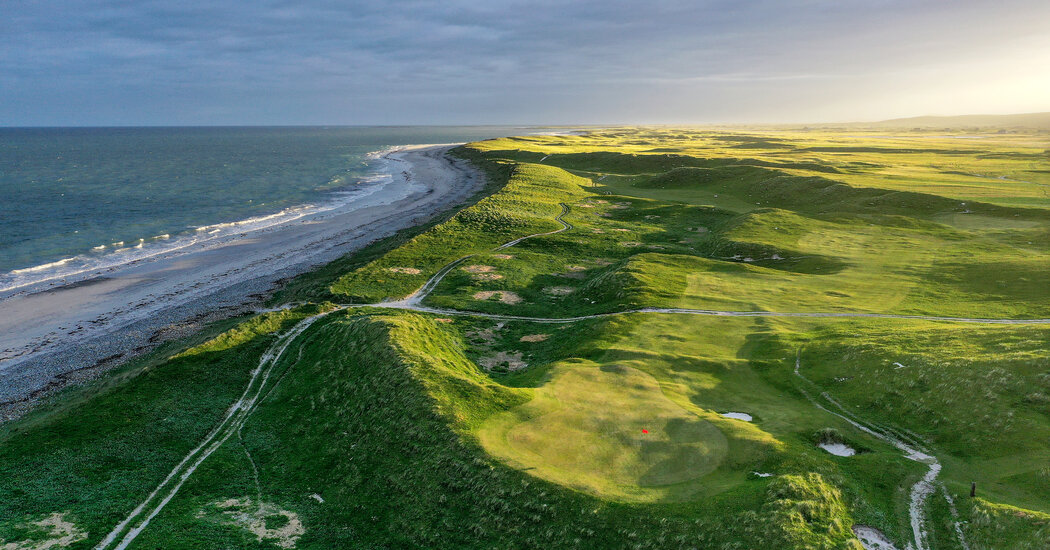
(490,421)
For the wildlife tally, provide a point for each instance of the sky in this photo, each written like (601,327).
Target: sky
(265,62)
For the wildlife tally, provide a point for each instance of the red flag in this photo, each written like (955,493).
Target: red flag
(645,431)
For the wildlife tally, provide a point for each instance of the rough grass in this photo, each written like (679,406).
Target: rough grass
(394,421)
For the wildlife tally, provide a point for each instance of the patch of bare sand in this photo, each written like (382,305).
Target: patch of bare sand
(534,337)
(57,532)
(266,521)
(479,269)
(442,320)
(622,230)
(503,256)
(405,270)
(559,290)
(486,276)
(504,296)
(513,361)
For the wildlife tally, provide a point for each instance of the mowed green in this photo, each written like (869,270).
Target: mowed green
(609,430)
(451,429)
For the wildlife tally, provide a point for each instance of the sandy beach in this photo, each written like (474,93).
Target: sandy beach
(69,332)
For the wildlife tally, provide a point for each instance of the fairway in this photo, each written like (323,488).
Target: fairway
(644,334)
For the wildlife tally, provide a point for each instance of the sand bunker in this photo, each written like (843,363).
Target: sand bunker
(534,337)
(479,269)
(504,296)
(512,361)
(559,290)
(56,532)
(265,521)
(503,256)
(622,230)
(737,416)
(838,449)
(405,270)
(872,539)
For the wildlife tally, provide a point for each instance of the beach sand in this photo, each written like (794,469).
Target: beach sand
(51,337)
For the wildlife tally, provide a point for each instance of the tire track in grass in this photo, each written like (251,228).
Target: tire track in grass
(230,424)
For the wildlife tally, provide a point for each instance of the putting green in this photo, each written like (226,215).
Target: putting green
(609,431)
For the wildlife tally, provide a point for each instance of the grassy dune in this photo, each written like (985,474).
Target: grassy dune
(388,428)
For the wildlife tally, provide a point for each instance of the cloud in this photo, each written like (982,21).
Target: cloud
(416,61)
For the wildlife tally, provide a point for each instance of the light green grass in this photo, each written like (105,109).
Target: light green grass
(394,420)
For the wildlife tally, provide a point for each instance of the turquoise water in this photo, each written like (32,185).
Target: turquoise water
(73,196)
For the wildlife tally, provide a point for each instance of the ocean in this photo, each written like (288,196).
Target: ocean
(83,199)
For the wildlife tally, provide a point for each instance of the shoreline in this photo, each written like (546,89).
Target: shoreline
(63,335)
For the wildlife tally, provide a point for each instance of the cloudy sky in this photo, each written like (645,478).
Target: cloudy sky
(110,62)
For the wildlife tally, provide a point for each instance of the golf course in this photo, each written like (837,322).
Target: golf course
(638,337)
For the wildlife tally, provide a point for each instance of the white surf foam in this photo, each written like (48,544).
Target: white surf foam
(105,258)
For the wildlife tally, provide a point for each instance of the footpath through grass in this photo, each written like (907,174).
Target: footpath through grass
(388,428)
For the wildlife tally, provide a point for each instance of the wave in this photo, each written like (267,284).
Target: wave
(108,257)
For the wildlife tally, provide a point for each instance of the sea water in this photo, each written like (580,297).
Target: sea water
(74,200)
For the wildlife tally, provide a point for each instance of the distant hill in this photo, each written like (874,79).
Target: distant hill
(1026,120)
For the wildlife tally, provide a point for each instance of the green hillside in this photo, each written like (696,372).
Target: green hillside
(851,290)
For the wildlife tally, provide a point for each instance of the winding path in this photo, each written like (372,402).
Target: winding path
(239,412)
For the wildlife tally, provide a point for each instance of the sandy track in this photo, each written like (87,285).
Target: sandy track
(231,424)
(243,408)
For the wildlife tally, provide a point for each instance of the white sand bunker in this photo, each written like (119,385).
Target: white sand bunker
(265,521)
(504,296)
(559,290)
(838,449)
(737,416)
(512,361)
(503,256)
(54,531)
(405,270)
(534,337)
(872,539)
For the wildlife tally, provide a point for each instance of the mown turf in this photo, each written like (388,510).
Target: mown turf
(458,431)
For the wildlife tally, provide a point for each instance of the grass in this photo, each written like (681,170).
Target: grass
(389,428)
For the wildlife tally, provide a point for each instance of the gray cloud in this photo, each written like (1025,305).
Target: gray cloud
(457,61)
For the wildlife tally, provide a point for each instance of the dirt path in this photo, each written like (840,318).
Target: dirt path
(920,490)
(235,417)
(243,408)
